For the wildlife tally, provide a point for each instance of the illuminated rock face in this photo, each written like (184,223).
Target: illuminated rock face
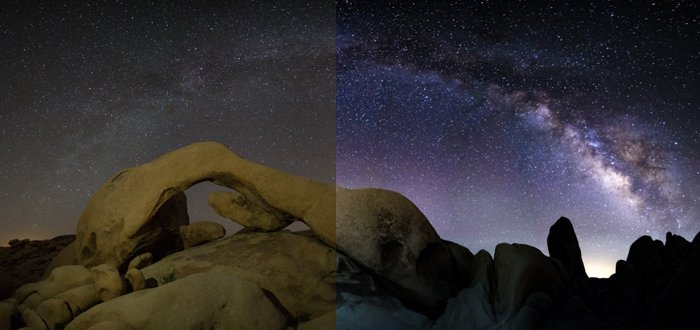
(137,210)
(125,217)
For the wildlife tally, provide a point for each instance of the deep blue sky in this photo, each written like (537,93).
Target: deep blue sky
(496,119)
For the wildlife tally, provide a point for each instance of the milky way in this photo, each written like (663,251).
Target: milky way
(496,119)
(91,87)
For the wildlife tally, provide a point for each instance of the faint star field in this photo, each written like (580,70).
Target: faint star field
(89,88)
(497,118)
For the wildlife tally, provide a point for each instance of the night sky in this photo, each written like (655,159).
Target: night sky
(496,119)
(92,87)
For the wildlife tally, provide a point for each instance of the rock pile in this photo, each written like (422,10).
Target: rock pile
(27,260)
(370,260)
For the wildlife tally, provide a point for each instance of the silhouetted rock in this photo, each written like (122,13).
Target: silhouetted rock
(24,261)
(652,263)
(563,246)
(677,306)
(522,270)
(371,259)
(678,249)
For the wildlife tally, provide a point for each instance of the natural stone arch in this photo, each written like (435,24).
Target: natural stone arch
(380,229)
(112,225)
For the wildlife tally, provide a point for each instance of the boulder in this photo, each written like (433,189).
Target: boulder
(79,299)
(65,257)
(7,309)
(461,259)
(111,325)
(32,319)
(470,309)
(54,311)
(678,249)
(327,321)
(136,279)
(108,282)
(8,284)
(652,264)
(376,312)
(233,206)
(141,261)
(230,303)
(109,232)
(296,267)
(677,305)
(563,246)
(108,235)
(522,270)
(384,231)
(26,260)
(61,279)
(380,229)
(201,232)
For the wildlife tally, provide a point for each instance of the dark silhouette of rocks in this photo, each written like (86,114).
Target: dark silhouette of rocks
(563,246)
(26,260)
(370,259)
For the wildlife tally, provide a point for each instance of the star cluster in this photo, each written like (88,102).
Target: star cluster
(497,118)
(89,88)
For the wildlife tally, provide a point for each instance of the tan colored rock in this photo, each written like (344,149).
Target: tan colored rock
(233,206)
(111,325)
(24,291)
(201,232)
(33,301)
(54,311)
(80,299)
(141,261)
(61,279)
(230,303)
(108,282)
(7,309)
(326,321)
(296,267)
(66,257)
(136,279)
(120,216)
(379,229)
(33,320)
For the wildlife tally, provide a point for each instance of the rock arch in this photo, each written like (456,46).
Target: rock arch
(129,210)
(114,222)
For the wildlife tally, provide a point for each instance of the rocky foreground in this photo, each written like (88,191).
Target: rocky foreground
(371,260)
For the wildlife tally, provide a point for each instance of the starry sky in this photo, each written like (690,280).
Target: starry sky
(91,87)
(496,118)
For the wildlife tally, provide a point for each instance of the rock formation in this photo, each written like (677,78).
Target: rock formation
(200,233)
(380,229)
(297,268)
(563,246)
(371,259)
(28,261)
(211,301)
